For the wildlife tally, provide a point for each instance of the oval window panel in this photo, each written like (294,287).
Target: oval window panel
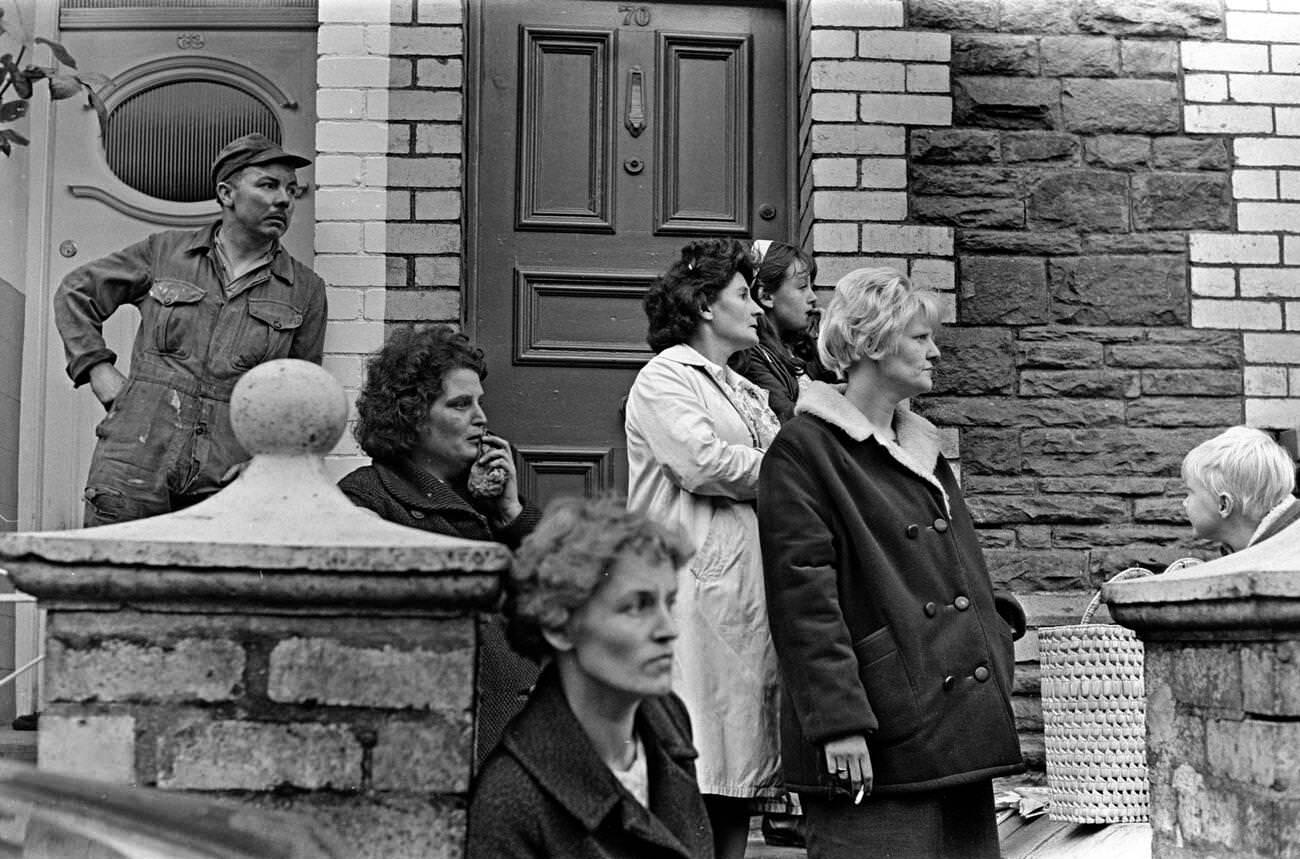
(161,140)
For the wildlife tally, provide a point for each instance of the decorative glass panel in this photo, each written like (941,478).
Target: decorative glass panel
(162,140)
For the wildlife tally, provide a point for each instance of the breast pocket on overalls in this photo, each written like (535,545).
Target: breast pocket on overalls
(176,328)
(266,333)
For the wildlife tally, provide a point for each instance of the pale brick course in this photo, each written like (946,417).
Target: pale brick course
(341,39)
(1214,282)
(1253,315)
(354,337)
(1221,248)
(1212,88)
(350,271)
(1291,310)
(833,107)
(190,669)
(1272,348)
(440,72)
(927,78)
(858,76)
(439,140)
(1288,183)
(345,304)
(351,136)
(439,305)
(938,274)
(1291,244)
(231,755)
(1270,89)
(340,104)
(827,44)
(1254,184)
(339,170)
(94,747)
(856,13)
(858,140)
(906,109)
(1266,152)
(1268,217)
(832,238)
(352,11)
(884,173)
(1275,413)
(338,237)
(1270,283)
(1225,57)
(836,172)
(352,72)
(438,11)
(860,205)
(352,204)
(332,672)
(920,47)
(414,238)
(1262,27)
(437,205)
(907,239)
(436,41)
(1228,119)
(1285,59)
(1265,381)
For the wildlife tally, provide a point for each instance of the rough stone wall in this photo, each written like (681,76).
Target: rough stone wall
(359,722)
(1223,744)
(389,172)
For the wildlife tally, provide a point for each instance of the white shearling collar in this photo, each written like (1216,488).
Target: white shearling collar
(917,448)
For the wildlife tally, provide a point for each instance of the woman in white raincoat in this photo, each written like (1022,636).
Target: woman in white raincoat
(696,433)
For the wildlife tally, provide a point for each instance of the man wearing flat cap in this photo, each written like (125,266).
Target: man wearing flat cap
(214,303)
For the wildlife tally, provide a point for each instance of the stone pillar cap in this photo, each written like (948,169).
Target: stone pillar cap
(283,513)
(1257,587)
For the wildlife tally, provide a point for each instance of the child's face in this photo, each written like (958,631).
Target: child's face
(1202,508)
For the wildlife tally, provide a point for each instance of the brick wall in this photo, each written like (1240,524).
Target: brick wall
(389,172)
(359,722)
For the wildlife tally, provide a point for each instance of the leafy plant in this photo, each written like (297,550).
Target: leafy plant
(61,79)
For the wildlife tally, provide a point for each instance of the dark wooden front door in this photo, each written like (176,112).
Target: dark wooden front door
(609,134)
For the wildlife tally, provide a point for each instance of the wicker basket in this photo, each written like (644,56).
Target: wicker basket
(1094,719)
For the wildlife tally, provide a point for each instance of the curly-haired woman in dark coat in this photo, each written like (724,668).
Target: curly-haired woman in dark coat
(600,762)
(436,467)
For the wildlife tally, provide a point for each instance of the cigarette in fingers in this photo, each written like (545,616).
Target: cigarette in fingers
(857,797)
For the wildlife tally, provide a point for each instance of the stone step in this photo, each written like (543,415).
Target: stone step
(18,746)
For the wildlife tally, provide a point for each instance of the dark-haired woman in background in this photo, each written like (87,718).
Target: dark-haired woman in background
(600,762)
(785,360)
(696,432)
(434,466)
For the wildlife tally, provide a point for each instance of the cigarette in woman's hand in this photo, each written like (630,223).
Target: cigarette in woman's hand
(857,798)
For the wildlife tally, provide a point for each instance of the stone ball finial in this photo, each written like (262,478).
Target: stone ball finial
(287,407)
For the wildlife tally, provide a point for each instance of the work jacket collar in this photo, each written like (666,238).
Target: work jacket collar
(281,265)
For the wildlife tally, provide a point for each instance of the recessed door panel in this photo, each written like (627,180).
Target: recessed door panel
(565,145)
(704,166)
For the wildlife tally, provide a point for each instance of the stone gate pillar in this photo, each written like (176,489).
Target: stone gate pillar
(273,644)
(1223,701)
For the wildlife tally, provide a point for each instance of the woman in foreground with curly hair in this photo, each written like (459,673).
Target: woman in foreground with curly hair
(434,466)
(696,433)
(600,761)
